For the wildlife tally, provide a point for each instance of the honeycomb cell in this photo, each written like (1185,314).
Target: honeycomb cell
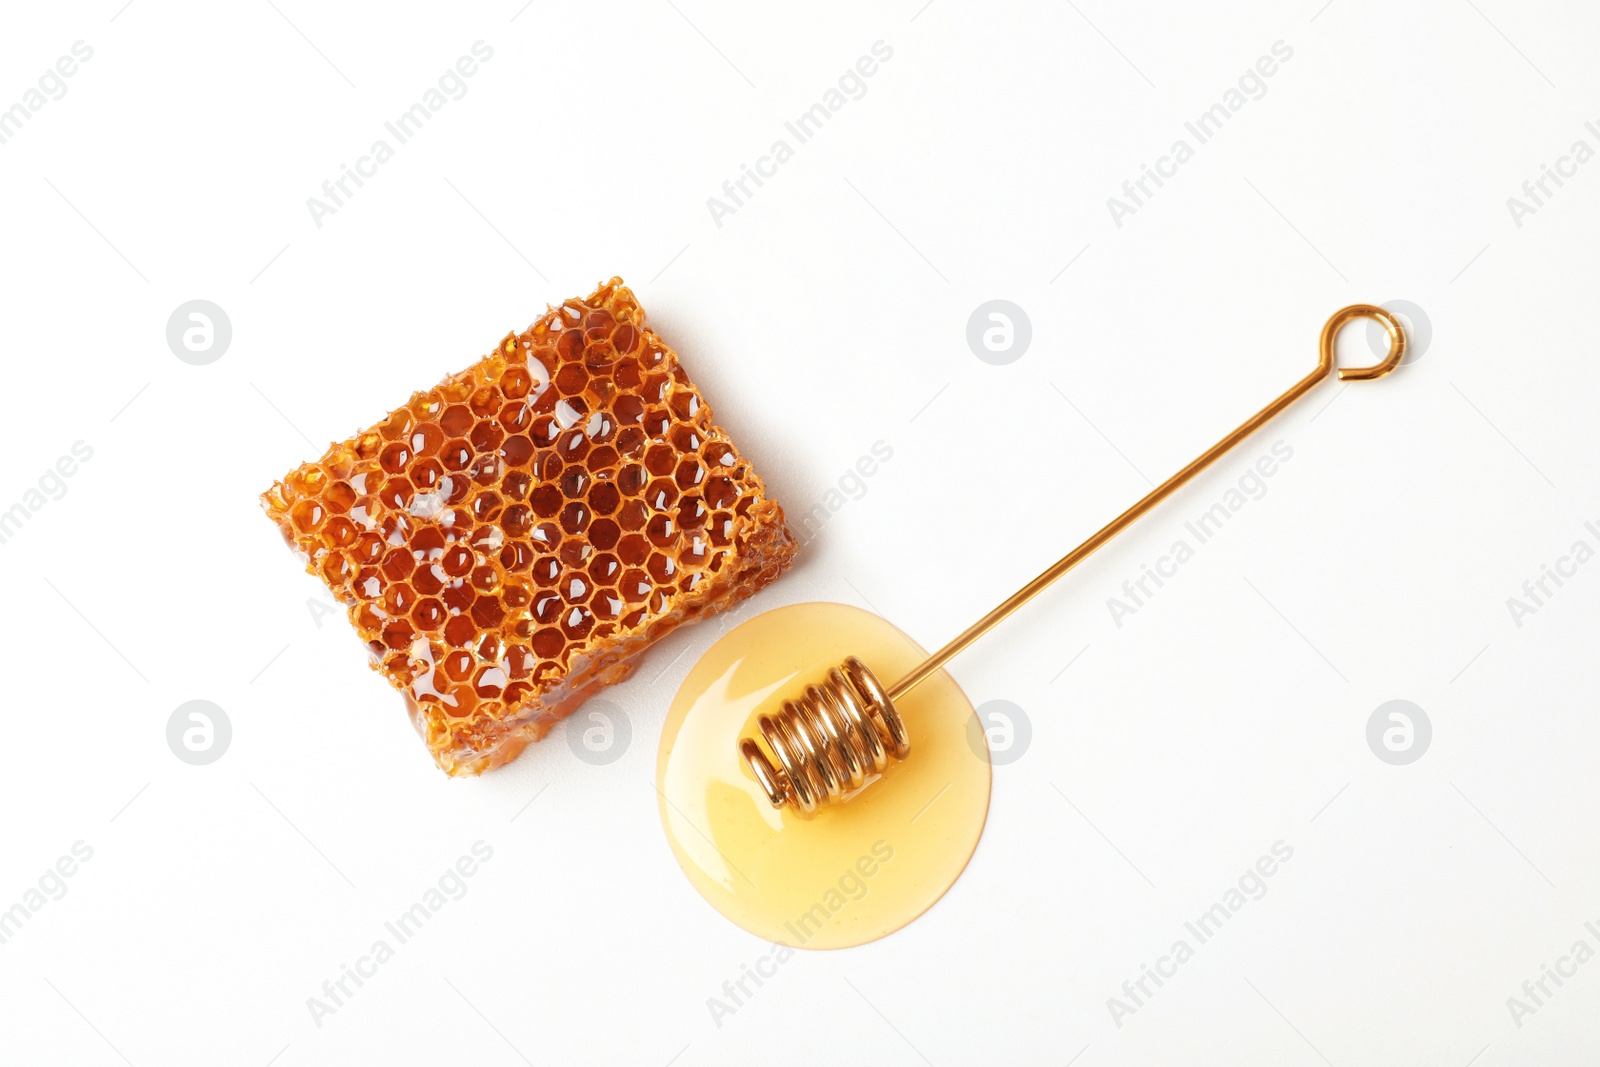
(491,648)
(520,662)
(308,515)
(631,442)
(485,506)
(662,531)
(516,383)
(685,439)
(457,596)
(547,607)
(368,549)
(516,537)
(336,569)
(397,493)
(546,429)
(366,619)
(516,484)
(660,459)
(490,681)
(661,494)
(426,439)
(546,571)
(395,528)
(339,497)
(689,473)
(399,599)
(569,346)
(309,480)
(397,425)
(517,556)
(662,568)
(398,564)
(624,339)
(457,560)
(655,422)
(546,501)
(516,417)
(486,539)
(569,412)
(517,451)
(428,614)
(575,517)
(460,630)
(572,446)
(543,399)
(486,437)
(606,605)
(633,550)
(632,479)
(456,454)
(486,470)
(571,379)
(721,491)
(635,586)
(605,569)
(397,635)
(604,534)
(485,579)
(600,428)
(460,664)
(340,532)
(548,642)
(684,403)
(574,482)
(454,489)
(461,703)
(516,521)
(426,406)
(692,513)
(628,408)
(425,474)
(653,387)
(577,622)
(485,401)
(394,458)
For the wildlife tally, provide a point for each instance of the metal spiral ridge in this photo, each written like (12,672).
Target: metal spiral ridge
(828,743)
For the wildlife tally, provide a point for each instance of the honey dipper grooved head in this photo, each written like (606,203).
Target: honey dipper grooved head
(828,744)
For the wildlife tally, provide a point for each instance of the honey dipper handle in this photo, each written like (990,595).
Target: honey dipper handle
(1325,363)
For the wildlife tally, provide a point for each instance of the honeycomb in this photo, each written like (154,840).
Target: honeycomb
(512,540)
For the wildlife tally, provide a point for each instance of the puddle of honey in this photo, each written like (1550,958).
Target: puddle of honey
(858,870)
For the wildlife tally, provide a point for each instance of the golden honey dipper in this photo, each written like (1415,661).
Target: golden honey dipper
(842,732)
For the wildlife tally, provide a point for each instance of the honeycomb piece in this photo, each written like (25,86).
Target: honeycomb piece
(513,539)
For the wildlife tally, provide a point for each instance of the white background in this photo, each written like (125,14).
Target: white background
(828,313)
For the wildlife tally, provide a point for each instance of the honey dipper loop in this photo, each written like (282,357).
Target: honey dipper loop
(829,743)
